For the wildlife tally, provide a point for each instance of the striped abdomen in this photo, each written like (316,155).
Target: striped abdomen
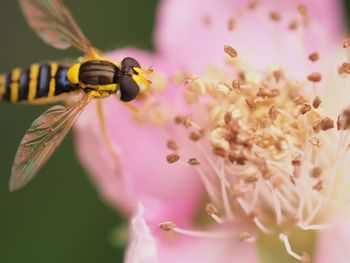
(39,81)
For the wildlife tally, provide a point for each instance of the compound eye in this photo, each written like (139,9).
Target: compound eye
(130,62)
(128,88)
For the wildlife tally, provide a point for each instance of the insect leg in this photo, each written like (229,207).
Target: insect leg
(102,122)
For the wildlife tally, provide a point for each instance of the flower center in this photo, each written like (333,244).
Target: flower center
(268,155)
(266,151)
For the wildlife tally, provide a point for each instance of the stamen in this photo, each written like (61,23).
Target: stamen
(247,237)
(230,51)
(213,212)
(231,24)
(314,77)
(305,108)
(236,85)
(172,145)
(316,102)
(302,10)
(313,227)
(316,172)
(326,124)
(346,45)
(251,103)
(275,16)
(273,113)
(314,56)
(289,250)
(203,234)
(207,21)
(167,226)
(172,158)
(261,226)
(193,161)
(225,199)
(345,68)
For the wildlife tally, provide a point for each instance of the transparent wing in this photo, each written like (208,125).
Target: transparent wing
(53,23)
(41,139)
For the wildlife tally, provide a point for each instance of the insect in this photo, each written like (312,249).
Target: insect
(91,77)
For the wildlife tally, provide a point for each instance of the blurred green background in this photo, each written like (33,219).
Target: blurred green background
(59,217)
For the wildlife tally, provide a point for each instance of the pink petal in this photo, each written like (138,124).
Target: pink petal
(142,246)
(193,34)
(141,173)
(334,243)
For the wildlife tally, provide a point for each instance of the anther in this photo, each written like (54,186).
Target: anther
(193,161)
(219,152)
(278,75)
(316,102)
(223,88)
(186,121)
(194,136)
(318,186)
(314,56)
(314,77)
(251,103)
(326,124)
(293,25)
(207,20)
(345,68)
(270,93)
(179,119)
(211,209)
(302,10)
(305,257)
(298,100)
(305,108)
(343,122)
(296,168)
(246,237)
(167,226)
(316,172)
(172,158)
(273,113)
(346,43)
(231,24)
(314,141)
(253,4)
(316,126)
(172,145)
(275,16)
(236,85)
(230,51)
(227,117)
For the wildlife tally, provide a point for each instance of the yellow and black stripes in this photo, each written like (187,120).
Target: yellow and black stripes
(35,82)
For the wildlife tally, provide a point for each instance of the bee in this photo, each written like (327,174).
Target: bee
(91,77)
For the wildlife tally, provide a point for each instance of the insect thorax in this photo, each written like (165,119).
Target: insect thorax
(98,75)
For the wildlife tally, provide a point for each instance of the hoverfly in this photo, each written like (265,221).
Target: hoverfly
(92,77)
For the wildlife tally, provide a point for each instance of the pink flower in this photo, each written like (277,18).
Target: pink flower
(263,150)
